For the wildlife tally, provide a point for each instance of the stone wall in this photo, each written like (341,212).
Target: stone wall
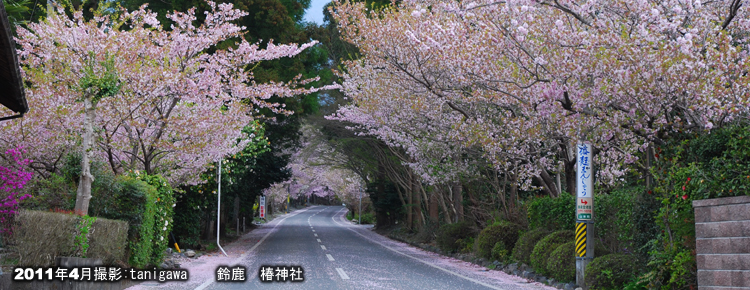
(722,238)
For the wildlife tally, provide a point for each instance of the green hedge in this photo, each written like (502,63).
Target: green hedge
(450,236)
(505,232)
(164,212)
(611,272)
(134,201)
(525,244)
(543,249)
(553,213)
(562,262)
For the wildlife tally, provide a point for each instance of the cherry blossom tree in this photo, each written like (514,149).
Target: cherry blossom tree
(179,106)
(525,80)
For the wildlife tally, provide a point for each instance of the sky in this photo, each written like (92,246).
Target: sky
(315,12)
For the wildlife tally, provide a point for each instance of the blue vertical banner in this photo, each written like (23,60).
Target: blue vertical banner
(584,182)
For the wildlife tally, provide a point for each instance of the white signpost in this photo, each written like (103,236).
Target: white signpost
(584,231)
(263,206)
(585,183)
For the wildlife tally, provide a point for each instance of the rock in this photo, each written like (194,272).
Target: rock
(579,288)
(168,251)
(559,285)
(190,253)
(550,281)
(541,279)
(513,267)
(163,266)
(526,274)
(516,272)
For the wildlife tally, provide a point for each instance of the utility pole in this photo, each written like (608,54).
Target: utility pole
(584,238)
(218,213)
(360,204)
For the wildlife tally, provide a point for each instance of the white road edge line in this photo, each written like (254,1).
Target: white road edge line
(407,255)
(330,258)
(342,274)
(240,258)
(322,247)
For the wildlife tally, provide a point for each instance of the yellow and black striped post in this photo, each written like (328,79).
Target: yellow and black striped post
(580,239)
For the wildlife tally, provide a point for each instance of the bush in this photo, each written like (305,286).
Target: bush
(108,241)
(40,237)
(525,245)
(562,262)
(452,237)
(504,232)
(164,210)
(544,248)
(134,201)
(611,272)
(499,252)
(615,218)
(553,213)
(54,192)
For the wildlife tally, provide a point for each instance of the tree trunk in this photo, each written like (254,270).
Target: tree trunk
(83,196)
(417,205)
(458,201)
(236,210)
(434,215)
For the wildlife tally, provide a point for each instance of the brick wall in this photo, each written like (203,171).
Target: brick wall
(722,238)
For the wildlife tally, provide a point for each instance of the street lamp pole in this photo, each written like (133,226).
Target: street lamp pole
(360,205)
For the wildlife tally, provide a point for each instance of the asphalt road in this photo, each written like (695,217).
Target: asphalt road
(335,254)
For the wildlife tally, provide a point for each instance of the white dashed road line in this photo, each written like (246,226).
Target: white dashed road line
(319,241)
(322,247)
(342,274)
(330,258)
(315,235)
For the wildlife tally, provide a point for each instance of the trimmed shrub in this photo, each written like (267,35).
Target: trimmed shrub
(553,213)
(164,211)
(544,248)
(562,262)
(611,272)
(504,232)
(525,244)
(450,236)
(108,241)
(41,236)
(499,252)
(134,201)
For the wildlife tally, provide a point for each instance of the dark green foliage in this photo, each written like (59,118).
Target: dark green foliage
(449,236)
(615,218)
(693,166)
(385,202)
(134,201)
(553,213)
(499,252)
(50,193)
(505,232)
(544,248)
(611,272)
(562,262)
(164,211)
(525,245)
